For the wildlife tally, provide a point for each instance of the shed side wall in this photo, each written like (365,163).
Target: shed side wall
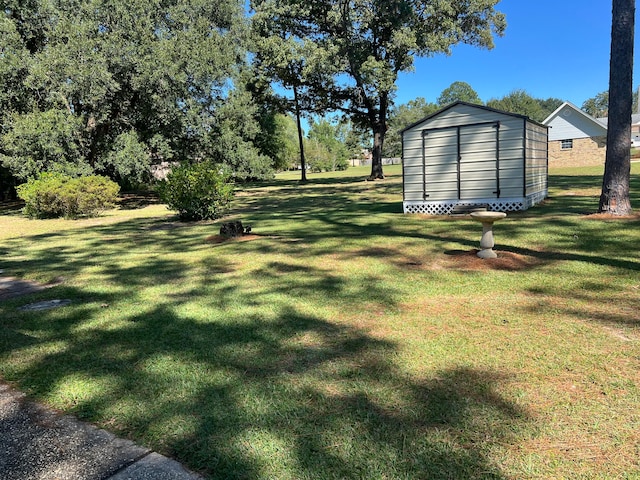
(536,168)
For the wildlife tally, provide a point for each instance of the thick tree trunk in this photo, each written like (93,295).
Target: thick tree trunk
(376,157)
(303,163)
(614,198)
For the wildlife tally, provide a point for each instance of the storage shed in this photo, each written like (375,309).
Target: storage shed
(467,155)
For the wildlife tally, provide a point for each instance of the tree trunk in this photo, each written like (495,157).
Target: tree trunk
(376,157)
(379,125)
(614,198)
(303,164)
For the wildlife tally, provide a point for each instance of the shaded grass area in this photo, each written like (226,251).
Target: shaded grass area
(346,340)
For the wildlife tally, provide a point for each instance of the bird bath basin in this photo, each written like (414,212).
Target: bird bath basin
(486,241)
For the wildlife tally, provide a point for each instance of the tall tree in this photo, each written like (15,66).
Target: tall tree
(401,117)
(296,63)
(14,68)
(597,106)
(519,101)
(458,92)
(614,198)
(549,106)
(112,85)
(369,42)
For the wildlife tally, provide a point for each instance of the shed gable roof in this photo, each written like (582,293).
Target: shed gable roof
(470,105)
(568,122)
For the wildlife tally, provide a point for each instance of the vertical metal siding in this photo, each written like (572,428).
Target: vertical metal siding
(445,159)
(536,173)
(524,159)
(404,176)
(497,127)
(458,159)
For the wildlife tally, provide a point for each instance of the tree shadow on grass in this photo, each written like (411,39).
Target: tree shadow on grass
(273,396)
(135,200)
(257,388)
(323,179)
(580,194)
(591,301)
(11,207)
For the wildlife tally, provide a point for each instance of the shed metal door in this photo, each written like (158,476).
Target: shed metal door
(461,162)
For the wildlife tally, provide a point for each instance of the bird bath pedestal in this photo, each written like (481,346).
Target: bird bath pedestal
(486,242)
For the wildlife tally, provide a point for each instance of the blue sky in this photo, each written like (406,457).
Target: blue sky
(551,48)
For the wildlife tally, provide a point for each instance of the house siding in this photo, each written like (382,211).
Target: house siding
(569,122)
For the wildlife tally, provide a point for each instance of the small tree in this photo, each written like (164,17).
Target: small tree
(332,136)
(285,138)
(201,191)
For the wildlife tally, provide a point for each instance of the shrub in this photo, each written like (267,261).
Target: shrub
(328,165)
(95,194)
(201,191)
(57,195)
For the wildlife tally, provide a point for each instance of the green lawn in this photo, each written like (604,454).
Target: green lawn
(344,339)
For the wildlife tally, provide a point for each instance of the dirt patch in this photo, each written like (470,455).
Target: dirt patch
(468,260)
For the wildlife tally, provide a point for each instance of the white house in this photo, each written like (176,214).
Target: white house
(575,137)
(635,128)
(470,155)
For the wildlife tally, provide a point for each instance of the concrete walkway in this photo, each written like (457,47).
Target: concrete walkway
(37,443)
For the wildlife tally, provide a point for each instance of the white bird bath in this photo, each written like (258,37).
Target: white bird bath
(486,242)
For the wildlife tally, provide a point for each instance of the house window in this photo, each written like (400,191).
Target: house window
(566,144)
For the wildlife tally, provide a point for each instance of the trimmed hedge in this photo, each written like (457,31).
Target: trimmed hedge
(54,195)
(202,191)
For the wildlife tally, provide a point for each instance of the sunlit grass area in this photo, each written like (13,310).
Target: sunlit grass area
(342,339)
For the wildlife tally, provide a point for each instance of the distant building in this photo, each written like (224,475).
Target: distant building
(575,137)
(635,128)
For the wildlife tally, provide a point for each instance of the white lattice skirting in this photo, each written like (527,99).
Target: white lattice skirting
(495,204)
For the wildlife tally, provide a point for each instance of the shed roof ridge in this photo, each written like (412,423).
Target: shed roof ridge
(474,105)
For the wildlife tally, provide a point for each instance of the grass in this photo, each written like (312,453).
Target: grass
(344,339)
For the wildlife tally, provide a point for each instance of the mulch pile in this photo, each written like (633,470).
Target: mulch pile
(468,260)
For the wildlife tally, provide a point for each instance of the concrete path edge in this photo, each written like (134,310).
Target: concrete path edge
(37,443)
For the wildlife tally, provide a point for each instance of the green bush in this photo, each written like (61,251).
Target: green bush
(328,165)
(201,191)
(57,195)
